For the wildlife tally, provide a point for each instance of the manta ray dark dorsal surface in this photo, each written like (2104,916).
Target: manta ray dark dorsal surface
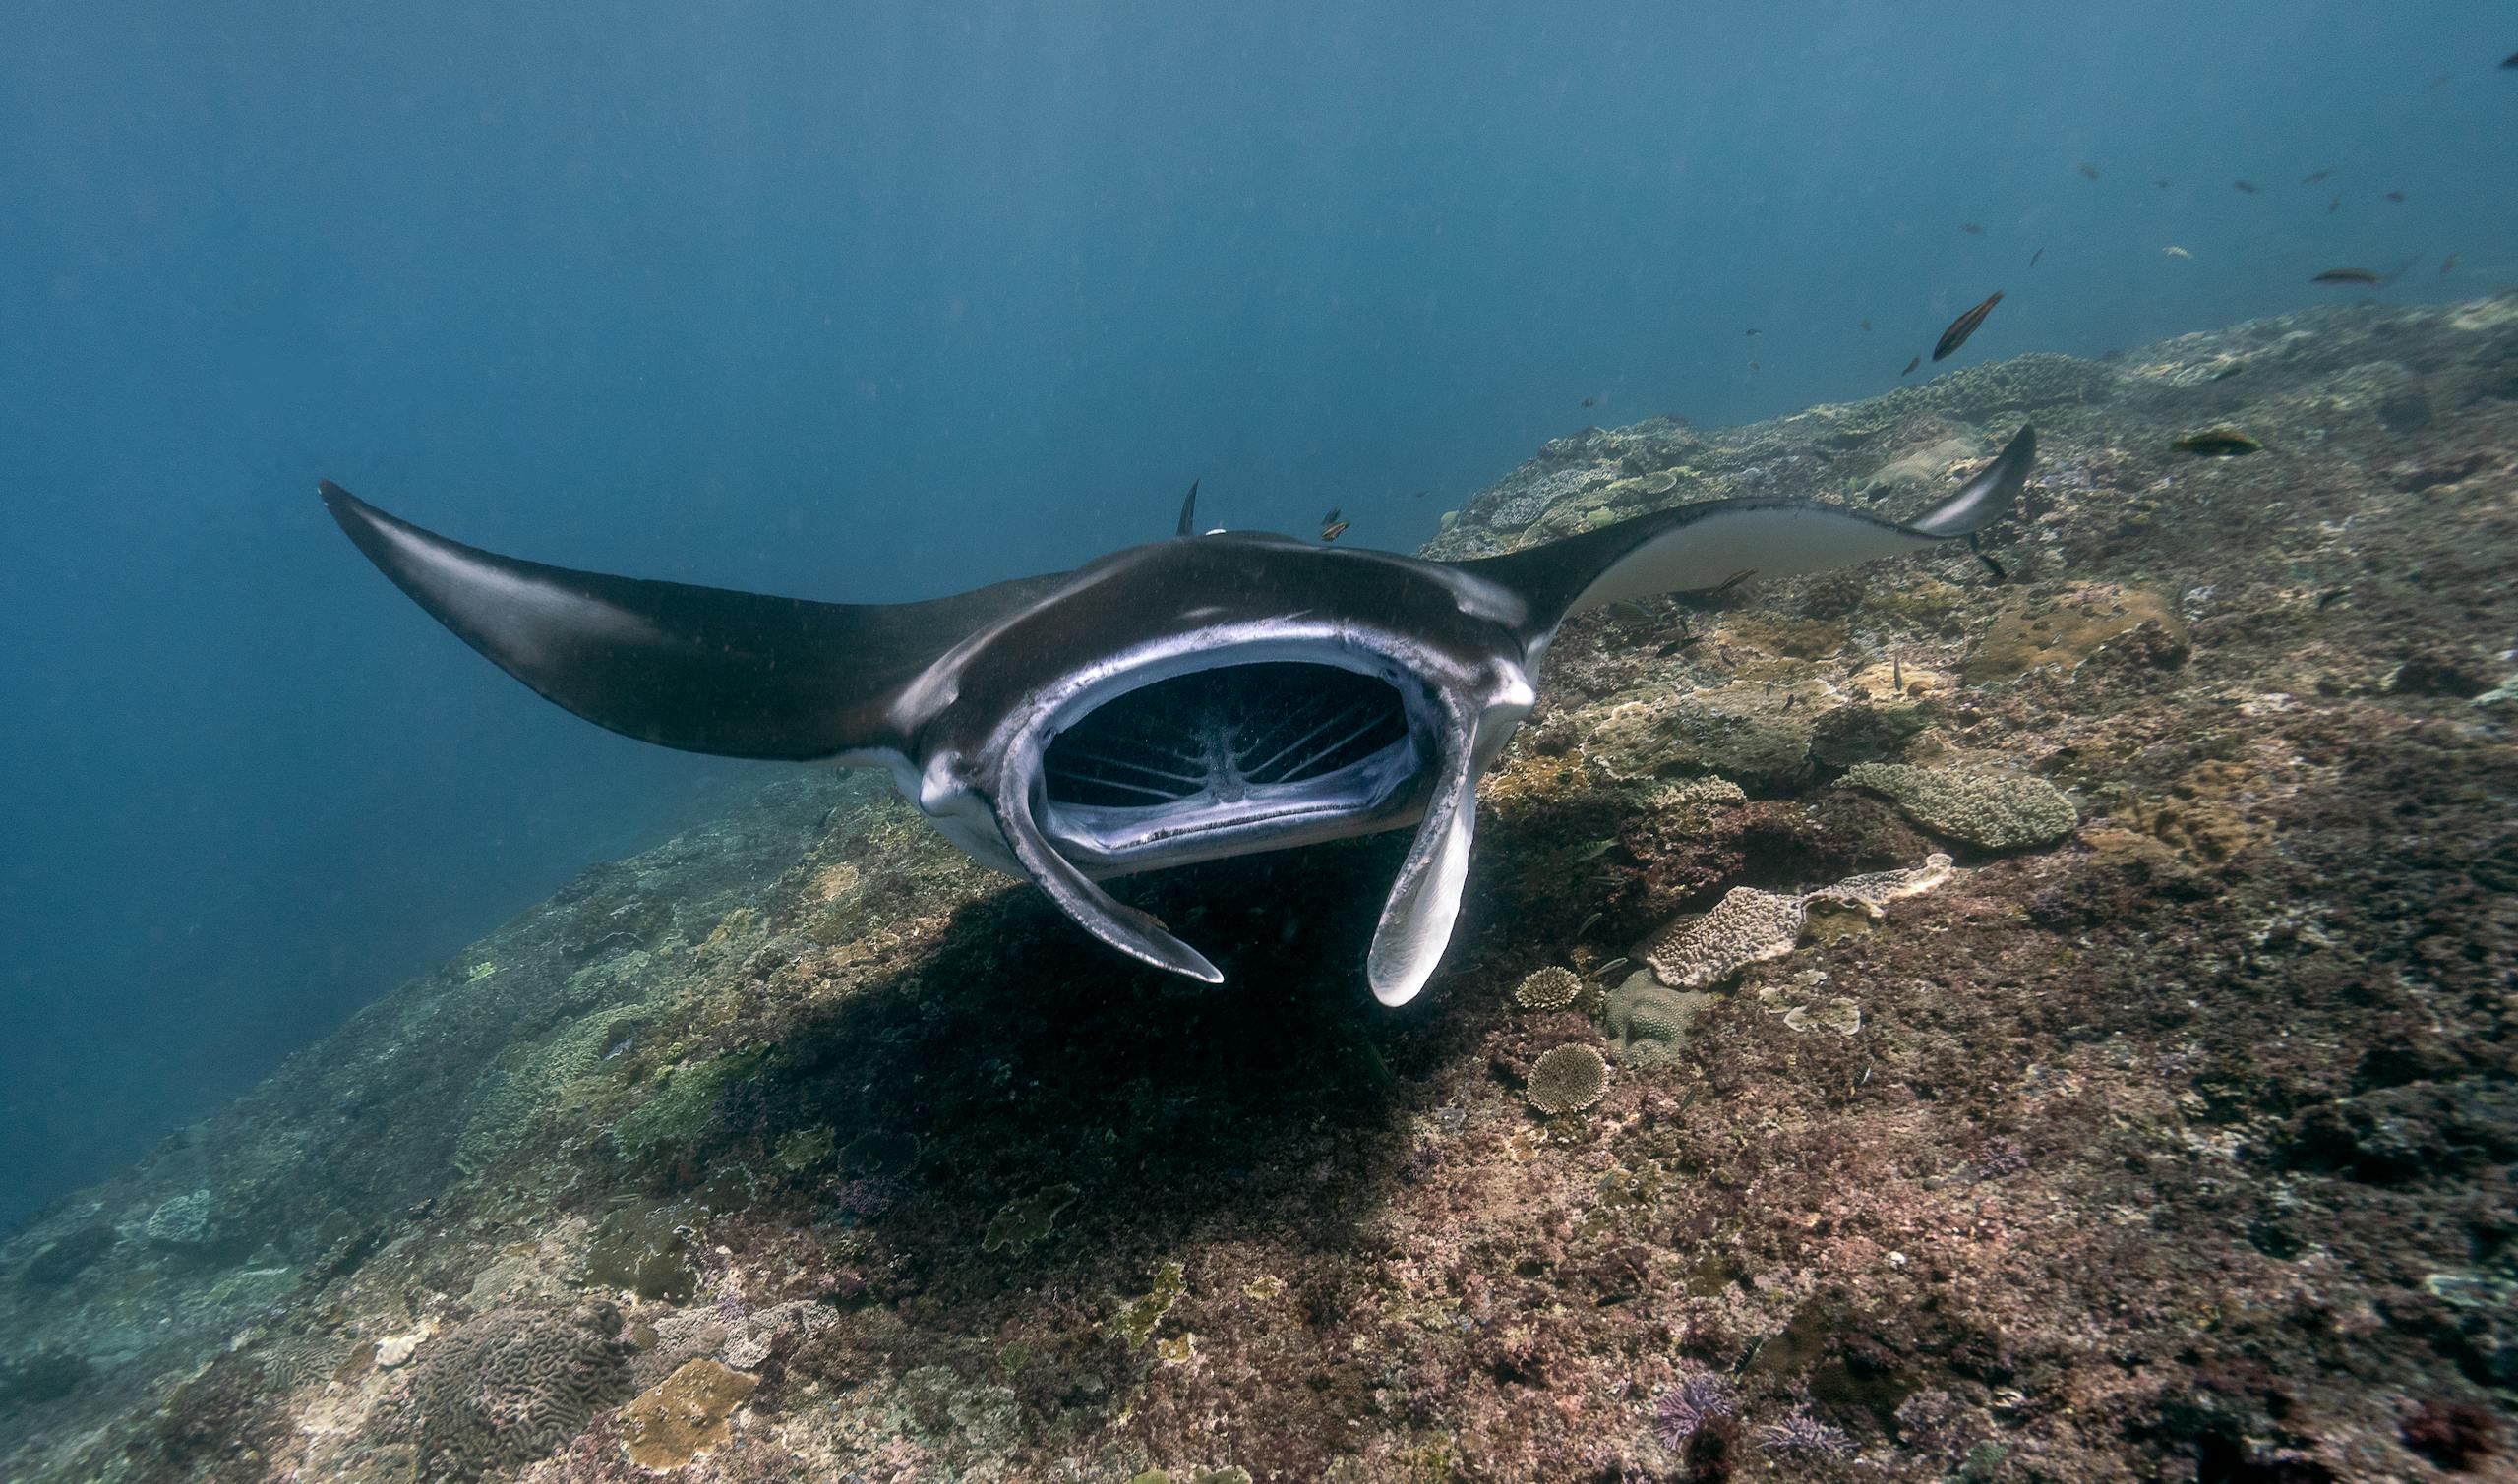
(1189,700)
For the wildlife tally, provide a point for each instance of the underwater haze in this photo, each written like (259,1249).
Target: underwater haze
(875,302)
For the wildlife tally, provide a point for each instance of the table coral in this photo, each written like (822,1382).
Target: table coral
(1997,811)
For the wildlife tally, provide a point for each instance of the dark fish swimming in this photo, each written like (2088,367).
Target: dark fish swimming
(2217,442)
(2395,196)
(2449,265)
(2313,176)
(1187,699)
(2163,185)
(1964,326)
(1752,332)
(2331,204)
(1591,401)
(2349,276)
(1866,326)
(2509,63)
(2240,184)
(2033,257)
(1911,365)
(2090,171)
(1972,230)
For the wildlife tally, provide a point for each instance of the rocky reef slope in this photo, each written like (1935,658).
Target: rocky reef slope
(2164,1129)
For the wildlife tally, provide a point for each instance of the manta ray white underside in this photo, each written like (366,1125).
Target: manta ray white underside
(1189,700)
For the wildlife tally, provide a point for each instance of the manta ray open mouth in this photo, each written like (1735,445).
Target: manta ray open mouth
(1202,764)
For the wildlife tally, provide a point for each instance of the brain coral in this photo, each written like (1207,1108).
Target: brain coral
(1987,809)
(510,1386)
(1567,1078)
(1548,988)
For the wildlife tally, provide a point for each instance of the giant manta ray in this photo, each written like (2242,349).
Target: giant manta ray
(1210,695)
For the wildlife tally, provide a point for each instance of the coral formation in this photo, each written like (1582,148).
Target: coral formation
(1548,988)
(510,1386)
(1645,1023)
(1746,927)
(1568,1078)
(683,1415)
(1996,811)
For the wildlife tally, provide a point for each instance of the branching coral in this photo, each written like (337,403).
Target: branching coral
(1566,1079)
(1548,988)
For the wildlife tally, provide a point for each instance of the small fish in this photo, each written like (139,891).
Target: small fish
(1331,530)
(2448,267)
(2163,185)
(1972,230)
(1420,494)
(1911,365)
(2091,170)
(1735,579)
(2441,80)
(1597,848)
(1591,401)
(2242,186)
(2331,204)
(1753,365)
(1753,332)
(2217,442)
(2349,276)
(2033,257)
(2174,251)
(2509,63)
(1964,326)
(2396,197)
(2313,176)
(1866,327)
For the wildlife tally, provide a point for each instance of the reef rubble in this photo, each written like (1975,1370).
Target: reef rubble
(2160,1126)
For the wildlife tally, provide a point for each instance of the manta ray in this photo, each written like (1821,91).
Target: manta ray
(1213,694)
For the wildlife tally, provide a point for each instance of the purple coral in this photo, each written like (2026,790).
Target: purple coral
(1697,1398)
(1803,1435)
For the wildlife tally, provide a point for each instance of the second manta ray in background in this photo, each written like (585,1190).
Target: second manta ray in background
(1204,696)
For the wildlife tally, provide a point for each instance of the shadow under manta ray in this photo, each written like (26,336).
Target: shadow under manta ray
(1185,700)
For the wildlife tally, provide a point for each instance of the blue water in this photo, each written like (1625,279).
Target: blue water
(874,302)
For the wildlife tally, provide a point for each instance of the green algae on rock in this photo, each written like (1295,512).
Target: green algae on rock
(1994,811)
(1022,1222)
(1135,1324)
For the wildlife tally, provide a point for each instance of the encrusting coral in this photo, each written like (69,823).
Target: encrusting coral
(1997,811)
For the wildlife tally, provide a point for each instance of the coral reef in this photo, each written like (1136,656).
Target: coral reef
(2171,1139)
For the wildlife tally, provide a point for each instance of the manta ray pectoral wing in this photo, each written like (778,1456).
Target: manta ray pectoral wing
(701,669)
(1716,542)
